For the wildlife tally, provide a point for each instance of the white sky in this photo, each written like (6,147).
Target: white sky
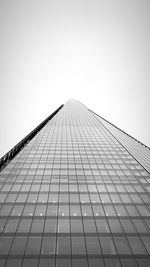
(95,51)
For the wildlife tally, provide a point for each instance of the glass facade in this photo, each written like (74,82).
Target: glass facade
(136,148)
(75,196)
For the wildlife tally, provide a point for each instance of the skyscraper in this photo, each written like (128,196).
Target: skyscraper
(75,193)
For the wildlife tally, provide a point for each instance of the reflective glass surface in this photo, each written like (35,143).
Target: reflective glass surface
(75,195)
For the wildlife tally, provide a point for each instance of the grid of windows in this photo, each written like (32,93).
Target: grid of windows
(137,149)
(74,196)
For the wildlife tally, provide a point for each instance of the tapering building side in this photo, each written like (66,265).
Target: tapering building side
(76,194)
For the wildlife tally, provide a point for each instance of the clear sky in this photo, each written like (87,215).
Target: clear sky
(95,51)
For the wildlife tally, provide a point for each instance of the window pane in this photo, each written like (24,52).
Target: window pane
(112,263)
(127,226)
(140,226)
(24,226)
(12,263)
(96,262)
(40,210)
(76,226)
(52,210)
(5,243)
(98,210)
(122,245)
(136,245)
(102,226)
(28,210)
(5,210)
(50,226)
(146,240)
(79,262)
(18,246)
(78,245)
(63,226)
(48,245)
(107,245)
(109,211)
(63,245)
(37,226)
(11,225)
(30,262)
(75,210)
(46,263)
(115,226)
(33,246)
(93,246)
(63,262)
(89,226)
(128,262)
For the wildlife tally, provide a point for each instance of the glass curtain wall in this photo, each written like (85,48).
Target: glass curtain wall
(74,196)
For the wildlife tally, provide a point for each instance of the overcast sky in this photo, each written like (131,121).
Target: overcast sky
(95,51)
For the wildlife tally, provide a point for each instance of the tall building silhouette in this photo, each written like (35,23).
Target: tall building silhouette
(75,193)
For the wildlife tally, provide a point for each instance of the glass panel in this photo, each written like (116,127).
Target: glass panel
(112,263)
(146,240)
(12,263)
(40,210)
(140,226)
(102,226)
(2,263)
(11,198)
(30,262)
(89,226)
(24,226)
(43,198)
(63,262)
(78,245)
(79,262)
(33,246)
(93,246)
(18,245)
(74,198)
(11,225)
(63,210)
(144,211)
(107,245)
(2,223)
(96,262)
(46,262)
(98,210)
(5,210)
(132,211)
(63,226)
(143,262)
(37,226)
(122,245)
(94,198)
(63,245)
(5,244)
(127,225)
(76,226)
(75,210)
(121,211)
(136,245)
(52,210)
(128,262)
(115,226)
(28,210)
(50,226)
(21,198)
(109,211)
(48,245)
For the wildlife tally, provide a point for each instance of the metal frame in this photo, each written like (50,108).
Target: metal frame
(16,149)
(120,129)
